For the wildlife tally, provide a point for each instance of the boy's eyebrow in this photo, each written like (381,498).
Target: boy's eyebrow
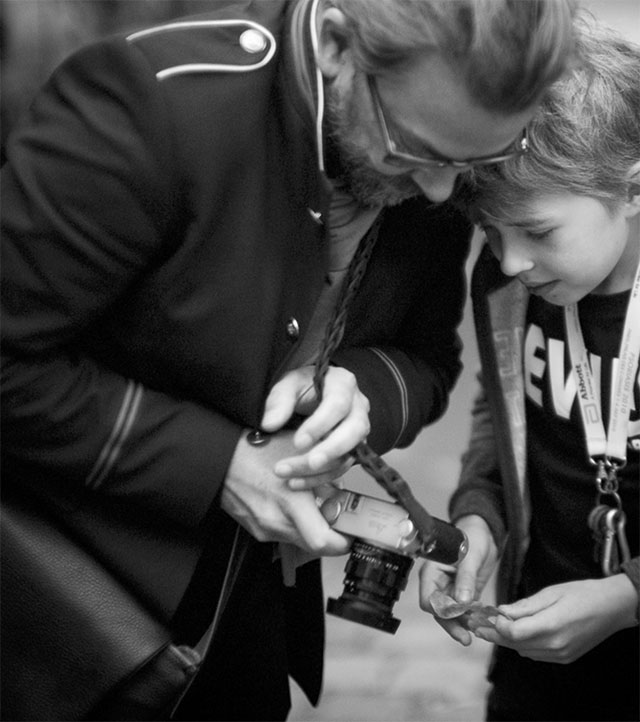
(532,222)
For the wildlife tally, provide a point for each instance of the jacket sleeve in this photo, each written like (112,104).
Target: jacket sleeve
(480,486)
(408,377)
(87,204)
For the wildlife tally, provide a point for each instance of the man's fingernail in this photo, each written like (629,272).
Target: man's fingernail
(283,469)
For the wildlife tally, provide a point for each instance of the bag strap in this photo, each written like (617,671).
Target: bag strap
(238,552)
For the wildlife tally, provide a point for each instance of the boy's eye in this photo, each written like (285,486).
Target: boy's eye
(539,235)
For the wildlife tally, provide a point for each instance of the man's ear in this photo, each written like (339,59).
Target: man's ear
(333,41)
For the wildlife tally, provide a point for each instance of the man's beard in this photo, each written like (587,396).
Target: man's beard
(359,179)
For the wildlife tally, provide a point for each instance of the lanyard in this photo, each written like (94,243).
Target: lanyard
(608,449)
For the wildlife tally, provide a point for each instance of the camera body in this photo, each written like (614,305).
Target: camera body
(385,545)
(379,522)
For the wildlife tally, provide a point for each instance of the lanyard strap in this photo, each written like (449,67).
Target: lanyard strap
(610,446)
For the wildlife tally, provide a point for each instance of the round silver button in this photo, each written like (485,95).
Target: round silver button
(253,41)
(293,329)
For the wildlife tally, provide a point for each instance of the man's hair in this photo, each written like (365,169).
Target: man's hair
(584,139)
(507,51)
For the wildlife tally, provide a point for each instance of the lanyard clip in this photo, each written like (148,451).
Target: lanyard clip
(611,546)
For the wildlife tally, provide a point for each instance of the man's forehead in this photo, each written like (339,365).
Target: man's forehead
(430,106)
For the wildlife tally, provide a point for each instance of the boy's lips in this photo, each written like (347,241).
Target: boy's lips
(538,287)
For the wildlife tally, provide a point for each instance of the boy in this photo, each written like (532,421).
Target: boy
(557,309)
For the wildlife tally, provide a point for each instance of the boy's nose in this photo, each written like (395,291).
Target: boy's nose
(513,260)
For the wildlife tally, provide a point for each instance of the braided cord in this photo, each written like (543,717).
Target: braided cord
(390,479)
(335,327)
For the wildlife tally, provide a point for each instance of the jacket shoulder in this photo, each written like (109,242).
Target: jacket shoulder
(235,38)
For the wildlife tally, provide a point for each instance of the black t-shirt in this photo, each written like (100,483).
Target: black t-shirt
(561,478)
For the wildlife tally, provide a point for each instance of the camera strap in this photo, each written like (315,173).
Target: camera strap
(439,539)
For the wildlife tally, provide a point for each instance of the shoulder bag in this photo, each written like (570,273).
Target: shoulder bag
(76,644)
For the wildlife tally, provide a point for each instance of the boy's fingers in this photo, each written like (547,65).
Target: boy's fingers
(465,588)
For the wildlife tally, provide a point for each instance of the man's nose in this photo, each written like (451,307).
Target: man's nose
(437,183)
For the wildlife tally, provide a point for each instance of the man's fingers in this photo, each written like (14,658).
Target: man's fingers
(315,533)
(297,467)
(280,404)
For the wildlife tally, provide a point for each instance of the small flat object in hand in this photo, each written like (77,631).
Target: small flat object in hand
(482,616)
(476,614)
(445,606)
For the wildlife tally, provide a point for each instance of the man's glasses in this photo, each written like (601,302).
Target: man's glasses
(404,160)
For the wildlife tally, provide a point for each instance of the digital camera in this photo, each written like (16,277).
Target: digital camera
(385,545)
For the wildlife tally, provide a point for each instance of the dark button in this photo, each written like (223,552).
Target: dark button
(293,329)
(257,437)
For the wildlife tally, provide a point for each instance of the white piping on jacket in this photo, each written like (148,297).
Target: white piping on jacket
(111,450)
(208,67)
(402,387)
(320,87)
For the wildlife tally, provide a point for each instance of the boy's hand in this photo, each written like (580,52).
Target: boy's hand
(562,622)
(464,584)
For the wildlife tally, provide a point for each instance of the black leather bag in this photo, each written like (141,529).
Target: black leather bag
(76,645)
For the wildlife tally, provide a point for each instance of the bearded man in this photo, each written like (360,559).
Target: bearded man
(180,208)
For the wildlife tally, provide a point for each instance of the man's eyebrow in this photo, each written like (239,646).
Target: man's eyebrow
(405,140)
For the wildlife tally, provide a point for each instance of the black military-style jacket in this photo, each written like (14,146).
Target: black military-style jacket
(163,248)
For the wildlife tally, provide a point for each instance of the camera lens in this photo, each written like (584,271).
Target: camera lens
(374,579)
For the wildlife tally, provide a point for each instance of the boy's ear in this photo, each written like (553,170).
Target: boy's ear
(333,41)
(633,179)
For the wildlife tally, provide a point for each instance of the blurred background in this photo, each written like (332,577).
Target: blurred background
(418,673)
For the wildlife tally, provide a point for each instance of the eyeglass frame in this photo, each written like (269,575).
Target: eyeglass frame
(399,158)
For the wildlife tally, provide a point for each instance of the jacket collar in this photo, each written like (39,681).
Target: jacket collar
(300,47)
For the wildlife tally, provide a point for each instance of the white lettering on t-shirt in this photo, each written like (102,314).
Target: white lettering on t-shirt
(547,357)
(534,365)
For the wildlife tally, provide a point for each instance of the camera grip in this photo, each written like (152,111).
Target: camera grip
(446,545)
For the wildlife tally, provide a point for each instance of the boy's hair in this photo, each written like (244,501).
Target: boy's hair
(584,139)
(508,51)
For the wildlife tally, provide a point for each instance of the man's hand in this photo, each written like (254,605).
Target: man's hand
(331,430)
(466,582)
(562,622)
(268,509)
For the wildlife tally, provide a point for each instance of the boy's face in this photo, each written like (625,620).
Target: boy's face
(567,246)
